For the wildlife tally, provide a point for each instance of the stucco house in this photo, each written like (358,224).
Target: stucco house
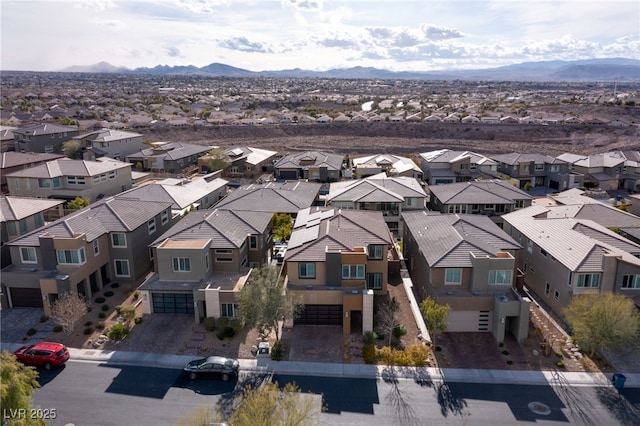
(110,143)
(446,166)
(46,137)
(169,157)
(392,165)
(313,165)
(13,161)
(246,162)
(469,263)
(273,197)
(537,170)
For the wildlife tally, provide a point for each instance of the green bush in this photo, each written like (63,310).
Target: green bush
(105,307)
(399,331)
(118,332)
(277,351)
(138,320)
(220,335)
(57,328)
(31,331)
(229,332)
(369,337)
(369,353)
(102,315)
(100,299)
(222,322)
(210,323)
(136,294)
(88,330)
(415,356)
(128,313)
(44,318)
(236,324)
(560,364)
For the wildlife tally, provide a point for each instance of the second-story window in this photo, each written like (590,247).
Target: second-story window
(630,281)
(253,242)
(164,217)
(588,280)
(376,251)
(76,257)
(353,272)
(96,247)
(151,225)
(181,264)
(28,255)
(118,239)
(499,277)
(453,276)
(307,270)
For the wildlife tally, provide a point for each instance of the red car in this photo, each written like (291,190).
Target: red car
(43,354)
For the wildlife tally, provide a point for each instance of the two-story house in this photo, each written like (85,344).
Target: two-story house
(537,170)
(392,165)
(336,261)
(467,262)
(81,252)
(446,166)
(274,197)
(389,195)
(67,179)
(47,137)
(169,157)
(604,171)
(245,162)
(14,161)
(110,143)
(565,256)
(19,216)
(204,260)
(491,198)
(313,165)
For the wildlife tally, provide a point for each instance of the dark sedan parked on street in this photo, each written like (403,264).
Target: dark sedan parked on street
(214,366)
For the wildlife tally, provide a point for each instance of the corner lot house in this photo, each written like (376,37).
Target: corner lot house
(66,179)
(204,260)
(564,256)
(336,261)
(79,253)
(467,262)
(46,138)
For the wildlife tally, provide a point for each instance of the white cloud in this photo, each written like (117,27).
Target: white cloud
(304,5)
(439,33)
(201,6)
(243,44)
(109,23)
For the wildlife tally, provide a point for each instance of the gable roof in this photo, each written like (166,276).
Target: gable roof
(18,208)
(44,129)
(396,163)
(319,230)
(109,215)
(13,159)
(171,150)
(180,196)
(250,155)
(69,167)
(107,135)
(273,197)
(446,240)
(449,156)
(579,244)
(320,159)
(517,158)
(492,191)
(376,189)
(224,228)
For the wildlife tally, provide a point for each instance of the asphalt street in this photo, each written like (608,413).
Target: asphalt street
(90,393)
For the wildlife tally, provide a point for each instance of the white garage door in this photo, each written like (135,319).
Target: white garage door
(469,321)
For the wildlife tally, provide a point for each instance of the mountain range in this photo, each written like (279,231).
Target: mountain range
(609,69)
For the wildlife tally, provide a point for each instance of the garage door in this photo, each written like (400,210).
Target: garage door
(26,297)
(465,321)
(321,315)
(172,303)
(289,174)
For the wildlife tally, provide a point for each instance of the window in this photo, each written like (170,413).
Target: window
(75,180)
(48,148)
(229,309)
(44,183)
(234,169)
(11,228)
(556,295)
(499,277)
(164,217)
(453,276)
(374,281)
(224,259)
(631,281)
(206,261)
(554,168)
(539,167)
(121,267)
(38,220)
(181,264)
(253,242)
(96,247)
(17,183)
(224,251)
(530,246)
(307,270)
(519,204)
(151,254)
(588,280)
(151,226)
(375,251)
(28,255)
(543,252)
(23,226)
(118,239)
(458,208)
(547,289)
(352,272)
(76,257)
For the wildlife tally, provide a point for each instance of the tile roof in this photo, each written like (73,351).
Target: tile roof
(180,196)
(273,197)
(318,230)
(399,164)
(517,158)
(13,159)
(68,167)
(251,155)
(44,129)
(171,150)
(446,240)
(225,228)
(378,188)
(493,191)
(320,159)
(579,244)
(107,135)
(449,156)
(18,208)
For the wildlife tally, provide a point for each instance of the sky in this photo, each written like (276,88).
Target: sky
(260,35)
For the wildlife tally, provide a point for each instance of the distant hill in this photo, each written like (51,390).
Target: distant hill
(610,69)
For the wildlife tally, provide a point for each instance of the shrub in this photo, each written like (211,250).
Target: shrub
(89,308)
(108,293)
(118,309)
(88,330)
(100,326)
(399,331)
(57,328)
(128,312)
(88,323)
(102,315)
(277,351)
(369,353)
(220,335)
(229,332)
(44,318)
(138,320)
(31,331)
(560,364)
(369,337)
(210,323)
(416,355)
(236,324)
(505,352)
(100,299)
(559,355)
(136,294)
(114,285)
(105,308)
(222,322)
(118,332)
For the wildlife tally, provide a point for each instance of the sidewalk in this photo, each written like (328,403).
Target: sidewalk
(543,378)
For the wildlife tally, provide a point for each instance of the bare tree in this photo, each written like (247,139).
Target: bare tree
(387,321)
(68,310)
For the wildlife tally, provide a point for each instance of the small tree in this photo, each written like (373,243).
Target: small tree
(263,302)
(386,316)
(78,203)
(603,321)
(282,226)
(217,159)
(71,149)
(68,310)
(17,385)
(434,314)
